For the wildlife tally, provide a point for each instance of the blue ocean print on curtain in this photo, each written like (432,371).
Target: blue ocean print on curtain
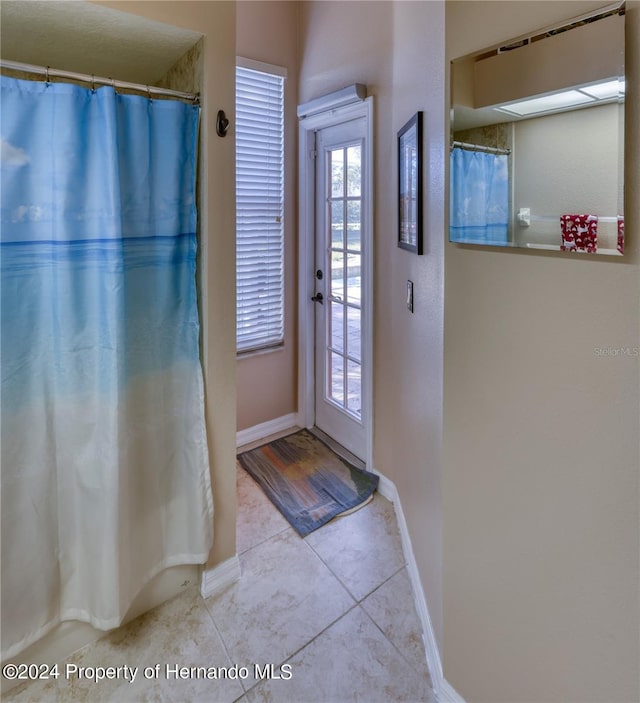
(479,197)
(105,477)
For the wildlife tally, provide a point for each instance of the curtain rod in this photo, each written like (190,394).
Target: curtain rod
(93,80)
(555,218)
(480,147)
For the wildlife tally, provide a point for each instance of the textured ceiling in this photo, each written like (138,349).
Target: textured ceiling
(74,35)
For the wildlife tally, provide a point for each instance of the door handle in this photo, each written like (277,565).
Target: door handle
(317,298)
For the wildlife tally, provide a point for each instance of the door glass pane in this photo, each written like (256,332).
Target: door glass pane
(337,274)
(354,172)
(353,278)
(336,323)
(337,173)
(343,246)
(354,333)
(354,387)
(337,223)
(353,224)
(336,377)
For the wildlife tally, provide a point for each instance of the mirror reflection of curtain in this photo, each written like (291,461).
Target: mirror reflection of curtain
(105,476)
(479,197)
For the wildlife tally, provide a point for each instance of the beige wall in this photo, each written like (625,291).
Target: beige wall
(568,163)
(216,21)
(267,381)
(397,49)
(541,456)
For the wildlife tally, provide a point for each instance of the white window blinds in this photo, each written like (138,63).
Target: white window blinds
(259,208)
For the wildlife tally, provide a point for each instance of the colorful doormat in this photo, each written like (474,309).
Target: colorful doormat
(306,481)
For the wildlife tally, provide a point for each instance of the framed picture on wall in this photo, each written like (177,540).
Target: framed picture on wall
(410,185)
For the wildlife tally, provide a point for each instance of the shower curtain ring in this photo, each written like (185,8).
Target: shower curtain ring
(93,83)
(46,75)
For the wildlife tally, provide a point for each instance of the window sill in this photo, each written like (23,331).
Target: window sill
(250,353)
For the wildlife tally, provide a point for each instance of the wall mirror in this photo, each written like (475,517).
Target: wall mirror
(537,139)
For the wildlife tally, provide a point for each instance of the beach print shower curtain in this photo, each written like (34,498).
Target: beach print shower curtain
(105,476)
(479,197)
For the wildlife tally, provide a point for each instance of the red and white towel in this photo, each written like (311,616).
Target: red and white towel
(621,234)
(579,233)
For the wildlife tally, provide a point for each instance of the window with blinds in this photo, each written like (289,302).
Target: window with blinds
(259,207)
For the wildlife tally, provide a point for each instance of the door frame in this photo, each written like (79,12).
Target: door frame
(308,126)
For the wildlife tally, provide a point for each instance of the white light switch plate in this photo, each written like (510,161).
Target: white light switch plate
(410,296)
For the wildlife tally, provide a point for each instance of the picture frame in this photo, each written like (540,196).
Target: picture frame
(410,185)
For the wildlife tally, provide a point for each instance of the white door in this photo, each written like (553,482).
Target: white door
(340,271)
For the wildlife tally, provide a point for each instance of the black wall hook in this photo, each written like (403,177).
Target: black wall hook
(222,124)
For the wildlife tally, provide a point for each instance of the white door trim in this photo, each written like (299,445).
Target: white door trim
(306,262)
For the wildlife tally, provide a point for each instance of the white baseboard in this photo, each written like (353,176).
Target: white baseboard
(445,693)
(216,579)
(387,489)
(448,694)
(265,429)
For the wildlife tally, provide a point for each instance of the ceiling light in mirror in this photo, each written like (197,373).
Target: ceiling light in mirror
(605,91)
(567,99)
(546,103)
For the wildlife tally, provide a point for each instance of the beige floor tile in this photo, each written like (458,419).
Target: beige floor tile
(32,692)
(363,549)
(392,608)
(285,597)
(258,519)
(351,662)
(178,633)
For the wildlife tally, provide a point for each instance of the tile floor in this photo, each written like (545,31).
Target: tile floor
(335,607)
